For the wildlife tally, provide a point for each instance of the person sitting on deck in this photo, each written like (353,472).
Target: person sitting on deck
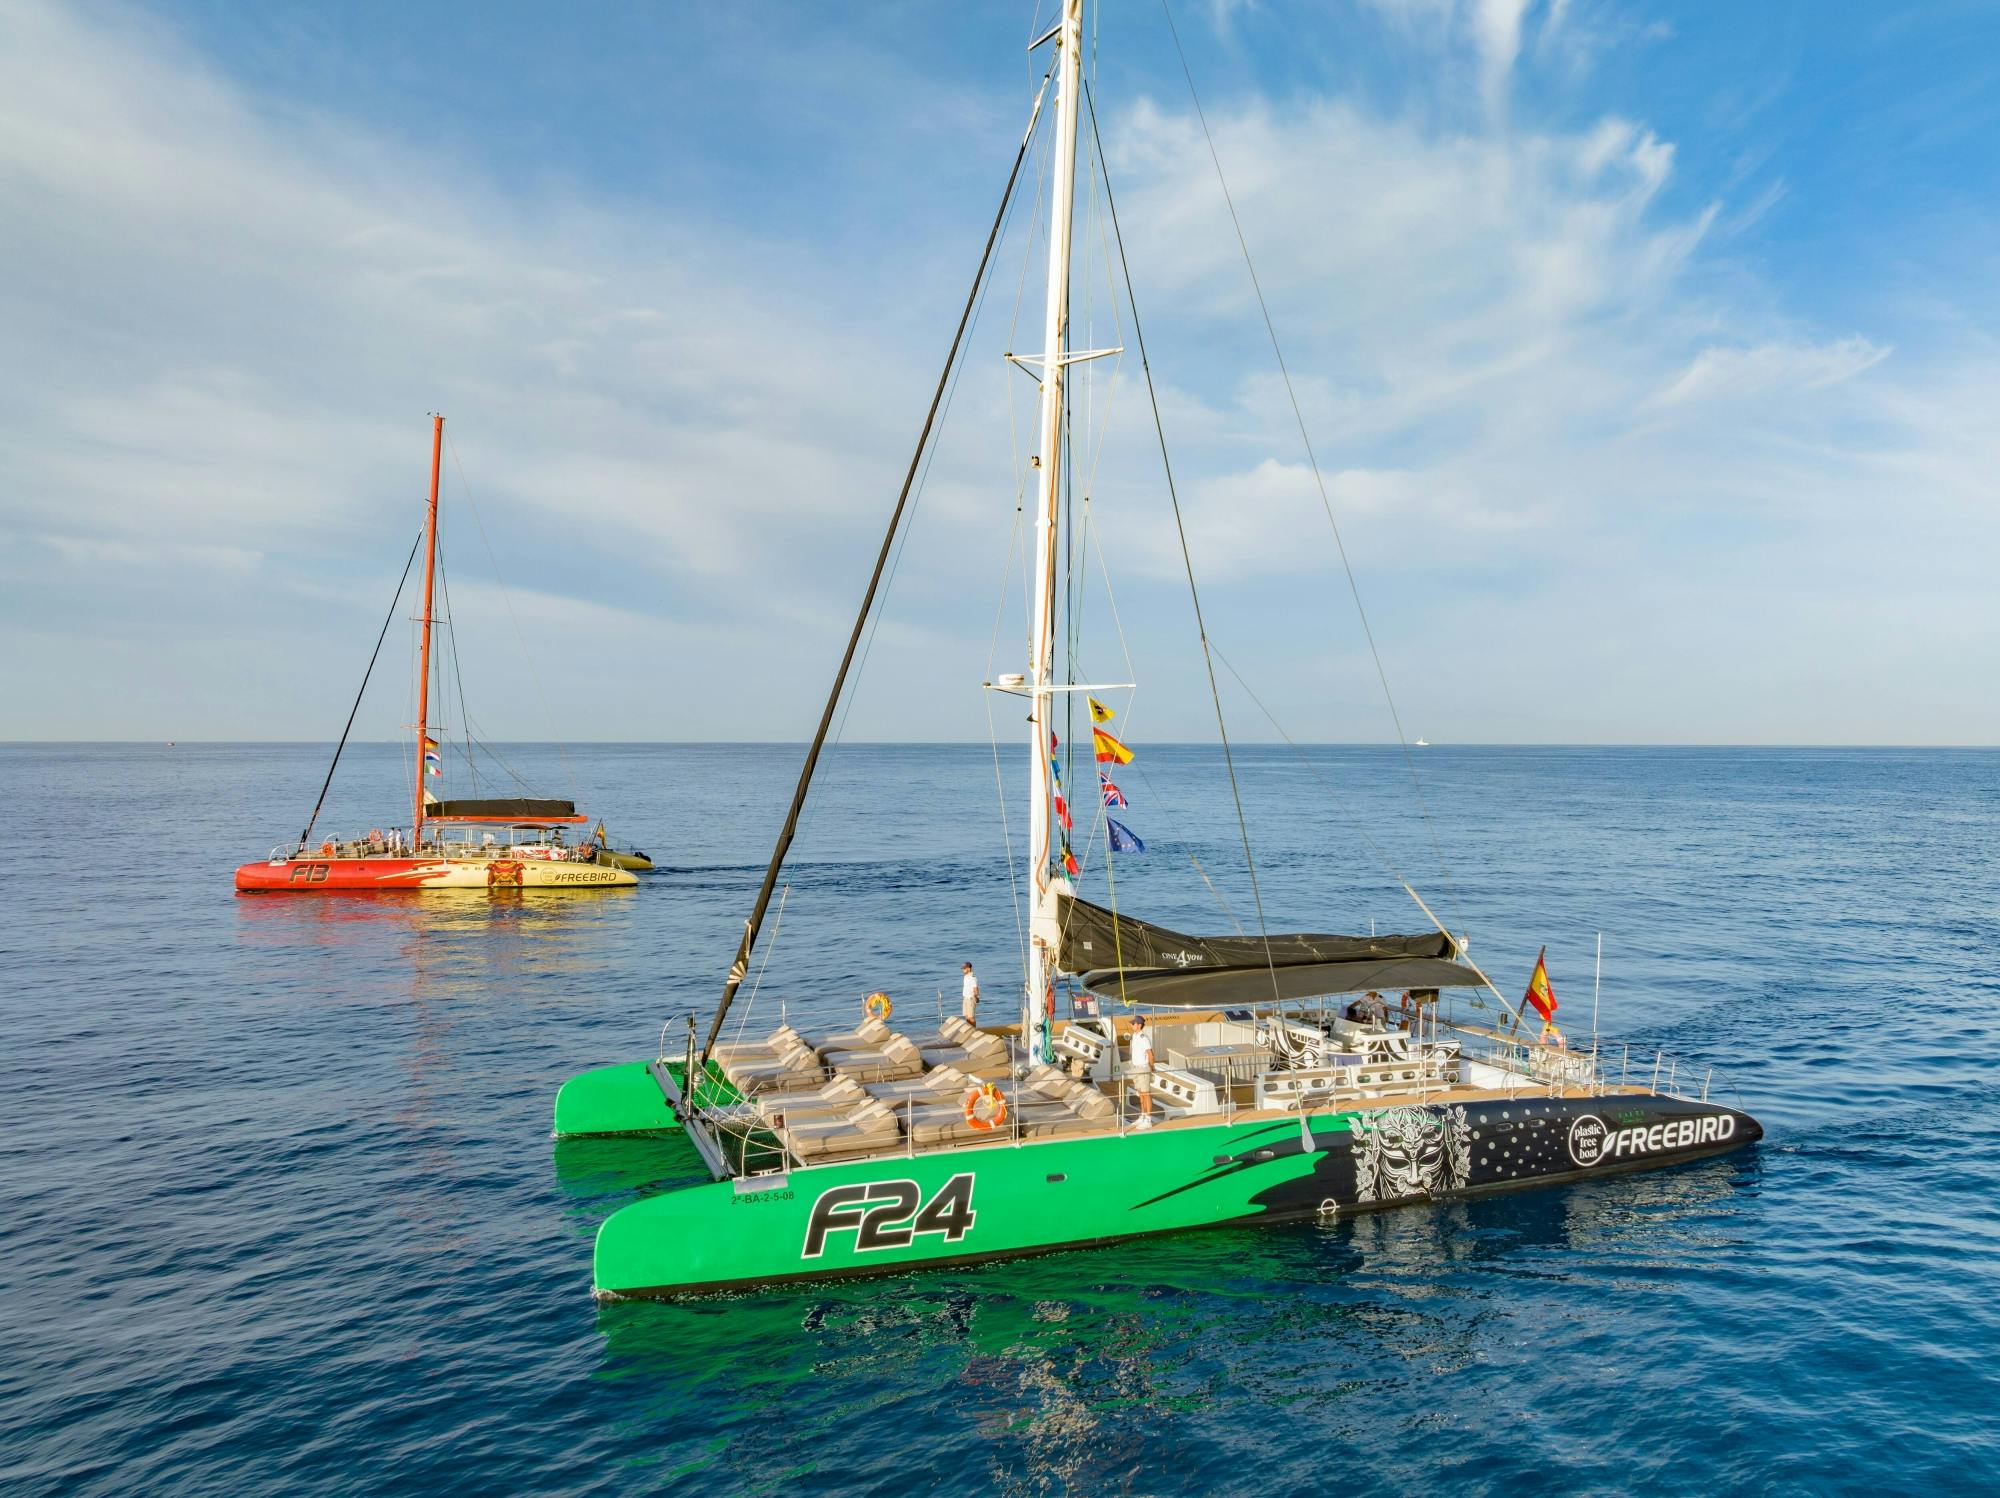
(1368,1009)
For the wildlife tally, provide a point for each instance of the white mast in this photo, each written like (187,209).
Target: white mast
(1044,882)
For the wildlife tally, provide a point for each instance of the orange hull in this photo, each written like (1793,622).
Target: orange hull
(338,876)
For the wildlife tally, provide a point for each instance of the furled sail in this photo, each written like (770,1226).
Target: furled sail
(1122,957)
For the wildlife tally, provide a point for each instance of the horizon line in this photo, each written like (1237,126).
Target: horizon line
(976,744)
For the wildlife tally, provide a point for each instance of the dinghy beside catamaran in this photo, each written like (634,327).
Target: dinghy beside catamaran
(1256,1094)
(502,843)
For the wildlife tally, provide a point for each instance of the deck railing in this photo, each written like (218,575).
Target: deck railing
(1598,1067)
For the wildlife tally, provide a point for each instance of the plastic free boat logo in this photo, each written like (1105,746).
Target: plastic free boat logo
(883,1214)
(1591,1143)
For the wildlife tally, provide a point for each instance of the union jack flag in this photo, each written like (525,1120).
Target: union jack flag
(1112,795)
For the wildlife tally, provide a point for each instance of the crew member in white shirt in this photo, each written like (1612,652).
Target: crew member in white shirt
(968,990)
(1142,1071)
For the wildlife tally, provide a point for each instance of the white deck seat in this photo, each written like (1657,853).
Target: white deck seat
(1184,1092)
(1079,1044)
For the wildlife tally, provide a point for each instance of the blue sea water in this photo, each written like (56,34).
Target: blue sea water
(279,1210)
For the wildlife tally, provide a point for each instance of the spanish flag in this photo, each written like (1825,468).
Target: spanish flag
(1540,993)
(431,743)
(1099,713)
(1109,750)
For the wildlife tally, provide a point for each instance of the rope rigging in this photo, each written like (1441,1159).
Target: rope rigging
(374,655)
(1187,559)
(739,969)
(1326,503)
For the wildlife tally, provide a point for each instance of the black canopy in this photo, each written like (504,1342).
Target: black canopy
(515,809)
(1119,956)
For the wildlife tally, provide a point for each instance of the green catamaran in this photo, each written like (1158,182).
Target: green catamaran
(1262,1097)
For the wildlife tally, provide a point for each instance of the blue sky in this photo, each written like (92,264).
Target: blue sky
(1649,353)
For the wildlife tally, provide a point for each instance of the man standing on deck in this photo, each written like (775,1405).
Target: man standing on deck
(968,1004)
(1142,1071)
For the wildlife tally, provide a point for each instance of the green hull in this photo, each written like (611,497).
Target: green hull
(896,1212)
(624,1099)
(998,1201)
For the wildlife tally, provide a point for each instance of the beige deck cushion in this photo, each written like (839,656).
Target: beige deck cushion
(981,1044)
(947,1125)
(867,1036)
(867,1128)
(868,1067)
(1094,1105)
(796,1069)
(775,1044)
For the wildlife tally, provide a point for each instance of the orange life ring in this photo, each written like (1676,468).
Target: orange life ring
(326,849)
(993,1103)
(878,1005)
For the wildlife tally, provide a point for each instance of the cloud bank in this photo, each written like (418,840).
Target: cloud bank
(1598,479)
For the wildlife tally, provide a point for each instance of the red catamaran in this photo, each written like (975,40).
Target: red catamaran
(449,844)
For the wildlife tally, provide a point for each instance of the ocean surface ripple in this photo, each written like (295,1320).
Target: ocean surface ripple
(282,1213)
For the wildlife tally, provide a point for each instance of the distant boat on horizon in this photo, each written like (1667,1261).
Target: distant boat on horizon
(1423,743)
(445,845)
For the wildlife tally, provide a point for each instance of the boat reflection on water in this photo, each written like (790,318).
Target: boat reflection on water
(606,1173)
(505,930)
(1076,1362)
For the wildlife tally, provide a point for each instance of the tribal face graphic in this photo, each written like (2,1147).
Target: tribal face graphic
(1404,1152)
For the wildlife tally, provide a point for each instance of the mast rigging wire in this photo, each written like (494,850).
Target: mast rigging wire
(541,694)
(739,969)
(1187,559)
(1298,415)
(401,583)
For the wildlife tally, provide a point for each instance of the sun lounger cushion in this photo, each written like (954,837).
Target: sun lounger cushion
(981,1044)
(773,1045)
(795,1070)
(886,1065)
(870,1126)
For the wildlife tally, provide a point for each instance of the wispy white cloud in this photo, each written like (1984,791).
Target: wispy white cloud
(231,325)
(1555,417)
(1736,374)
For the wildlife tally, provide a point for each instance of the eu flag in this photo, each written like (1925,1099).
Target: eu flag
(1123,838)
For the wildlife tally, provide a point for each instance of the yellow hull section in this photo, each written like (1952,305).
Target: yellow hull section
(518,873)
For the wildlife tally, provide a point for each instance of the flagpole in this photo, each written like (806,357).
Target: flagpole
(1596,983)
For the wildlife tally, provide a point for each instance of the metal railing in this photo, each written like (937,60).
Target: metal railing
(1556,1068)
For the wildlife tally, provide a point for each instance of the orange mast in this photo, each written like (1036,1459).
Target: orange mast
(424,669)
